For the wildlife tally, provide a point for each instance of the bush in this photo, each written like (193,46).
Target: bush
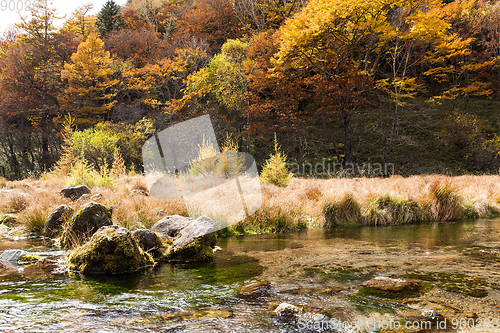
(446,203)
(346,210)
(388,209)
(275,170)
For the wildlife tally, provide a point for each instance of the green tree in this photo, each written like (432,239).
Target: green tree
(109,18)
(90,92)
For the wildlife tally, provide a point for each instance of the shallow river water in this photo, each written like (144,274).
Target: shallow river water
(319,270)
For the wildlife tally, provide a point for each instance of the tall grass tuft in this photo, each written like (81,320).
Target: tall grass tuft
(345,210)
(446,203)
(35,218)
(393,210)
(15,202)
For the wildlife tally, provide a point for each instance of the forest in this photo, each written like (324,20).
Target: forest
(414,84)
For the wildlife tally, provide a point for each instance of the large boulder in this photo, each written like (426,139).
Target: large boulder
(148,240)
(111,250)
(191,240)
(75,192)
(84,223)
(56,220)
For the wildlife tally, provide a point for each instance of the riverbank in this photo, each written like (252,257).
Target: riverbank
(305,202)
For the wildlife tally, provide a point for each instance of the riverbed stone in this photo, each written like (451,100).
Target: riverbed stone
(56,220)
(9,220)
(111,250)
(256,288)
(287,310)
(191,240)
(148,240)
(84,223)
(12,256)
(75,192)
(389,284)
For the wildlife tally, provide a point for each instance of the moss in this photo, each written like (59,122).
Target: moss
(109,251)
(196,251)
(77,231)
(29,259)
(454,282)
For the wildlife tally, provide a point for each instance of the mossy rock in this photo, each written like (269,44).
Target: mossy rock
(111,250)
(9,220)
(84,223)
(56,220)
(149,241)
(193,240)
(29,259)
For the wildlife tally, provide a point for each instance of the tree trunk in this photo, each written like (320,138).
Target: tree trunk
(346,124)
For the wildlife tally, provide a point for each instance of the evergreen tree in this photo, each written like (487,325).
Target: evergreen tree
(109,18)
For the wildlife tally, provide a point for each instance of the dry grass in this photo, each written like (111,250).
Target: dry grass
(375,201)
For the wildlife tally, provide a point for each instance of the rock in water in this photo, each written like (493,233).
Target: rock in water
(389,284)
(84,223)
(75,192)
(170,226)
(254,289)
(286,309)
(111,250)
(56,220)
(9,220)
(12,256)
(148,240)
(193,240)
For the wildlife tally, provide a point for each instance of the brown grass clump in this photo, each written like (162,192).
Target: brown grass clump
(345,210)
(15,202)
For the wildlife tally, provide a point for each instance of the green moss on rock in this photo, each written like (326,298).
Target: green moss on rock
(84,223)
(111,250)
(29,259)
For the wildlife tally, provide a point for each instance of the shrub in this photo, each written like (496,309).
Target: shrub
(446,203)
(275,170)
(35,220)
(16,202)
(388,209)
(342,211)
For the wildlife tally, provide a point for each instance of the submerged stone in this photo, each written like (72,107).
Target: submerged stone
(111,250)
(255,289)
(193,240)
(84,223)
(75,192)
(56,220)
(389,284)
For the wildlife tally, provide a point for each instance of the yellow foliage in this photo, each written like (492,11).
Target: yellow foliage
(89,94)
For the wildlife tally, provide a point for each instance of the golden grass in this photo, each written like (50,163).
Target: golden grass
(376,201)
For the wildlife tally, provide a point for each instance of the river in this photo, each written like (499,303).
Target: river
(320,270)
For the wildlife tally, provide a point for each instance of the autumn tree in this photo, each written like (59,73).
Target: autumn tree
(137,46)
(40,23)
(90,91)
(109,18)
(81,22)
